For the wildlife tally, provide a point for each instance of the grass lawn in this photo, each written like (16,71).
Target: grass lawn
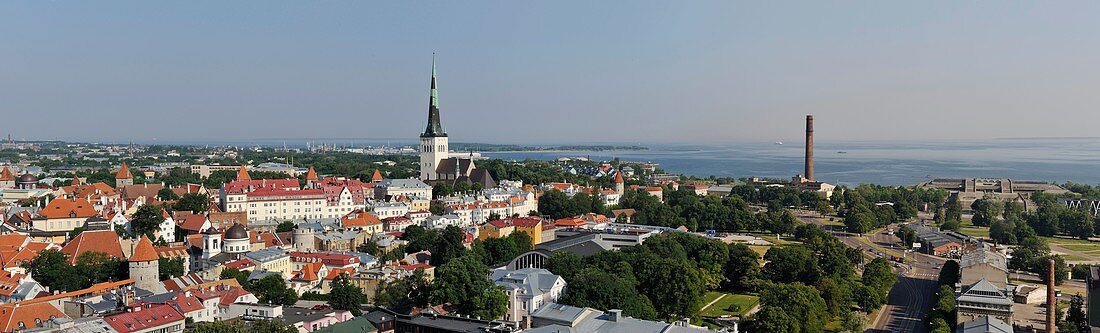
(759,249)
(720,308)
(980,232)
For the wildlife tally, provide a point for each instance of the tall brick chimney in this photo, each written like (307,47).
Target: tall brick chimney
(809,147)
(1052,301)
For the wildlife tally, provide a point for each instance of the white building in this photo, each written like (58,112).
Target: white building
(389,188)
(528,289)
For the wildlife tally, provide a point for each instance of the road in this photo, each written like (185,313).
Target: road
(913,296)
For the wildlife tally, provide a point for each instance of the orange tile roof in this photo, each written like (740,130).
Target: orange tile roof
(569,222)
(6,175)
(195,240)
(334,273)
(171,251)
(105,241)
(8,283)
(311,175)
(619,178)
(13,241)
(95,289)
(144,250)
(242,173)
(65,208)
(190,222)
(27,253)
(124,172)
(309,271)
(359,218)
(376,177)
(12,314)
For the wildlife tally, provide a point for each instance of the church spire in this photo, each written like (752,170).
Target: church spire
(434,127)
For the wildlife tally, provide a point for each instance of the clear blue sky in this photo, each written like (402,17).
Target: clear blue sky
(549,71)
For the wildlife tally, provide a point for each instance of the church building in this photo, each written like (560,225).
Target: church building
(436,164)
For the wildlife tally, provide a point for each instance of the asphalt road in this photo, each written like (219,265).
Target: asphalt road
(913,296)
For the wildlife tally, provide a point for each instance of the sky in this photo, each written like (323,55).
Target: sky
(536,72)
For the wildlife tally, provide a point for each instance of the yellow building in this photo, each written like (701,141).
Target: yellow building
(532,226)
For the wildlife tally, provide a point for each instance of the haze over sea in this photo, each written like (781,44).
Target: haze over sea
(885,163)
(882,162)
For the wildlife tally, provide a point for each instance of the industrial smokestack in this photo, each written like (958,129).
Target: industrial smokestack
(1052,301)
(809,147)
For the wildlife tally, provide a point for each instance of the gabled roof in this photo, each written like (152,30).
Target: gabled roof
(12,314)
(105,241)
(144,318)
(311,174)
(66,208)
(359,218)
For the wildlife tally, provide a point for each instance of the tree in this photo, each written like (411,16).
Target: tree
(742,268)
(405,293)
(950,225)
(565,264)
(461,280)
(233,273)
(170,267)
(491,304)
(52,269)
(859,222)
(285,226)
(986,211)
(676,287)
(346,296)
(147,220)
(791,264)
(448,245)
(1076,315)
(96,267)
(193,202)
(879,275)
(273,290)
(595,288)
(949,273)
(794,307)
(166,194)
(953,209)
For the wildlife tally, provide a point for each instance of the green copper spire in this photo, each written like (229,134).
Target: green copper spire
(434,128)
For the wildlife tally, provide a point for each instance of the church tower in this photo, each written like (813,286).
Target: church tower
(433,142)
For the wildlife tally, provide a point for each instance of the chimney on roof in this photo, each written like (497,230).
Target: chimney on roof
(614,315)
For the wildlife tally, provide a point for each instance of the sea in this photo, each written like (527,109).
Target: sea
(853,163)
(839,162)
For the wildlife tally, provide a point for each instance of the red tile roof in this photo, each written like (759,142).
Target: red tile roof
(12,314)
(144,250)
(143,318)
(67,208)
(105,241)
(274,192)
(331,259)
(376,177)
(311,175)
(124,172)
(359,218)
(6,175)
(189,221)
(242,173)
(27,253)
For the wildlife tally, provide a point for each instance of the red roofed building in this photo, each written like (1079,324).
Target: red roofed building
(273,199)
(362,220)
(330,260)
(7,179)
(532,226)
(64,214)
(123,177)
(104,241)
(23,316)
(147,318)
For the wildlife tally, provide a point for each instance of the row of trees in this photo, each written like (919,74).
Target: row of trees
(942,317)
(868,207)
